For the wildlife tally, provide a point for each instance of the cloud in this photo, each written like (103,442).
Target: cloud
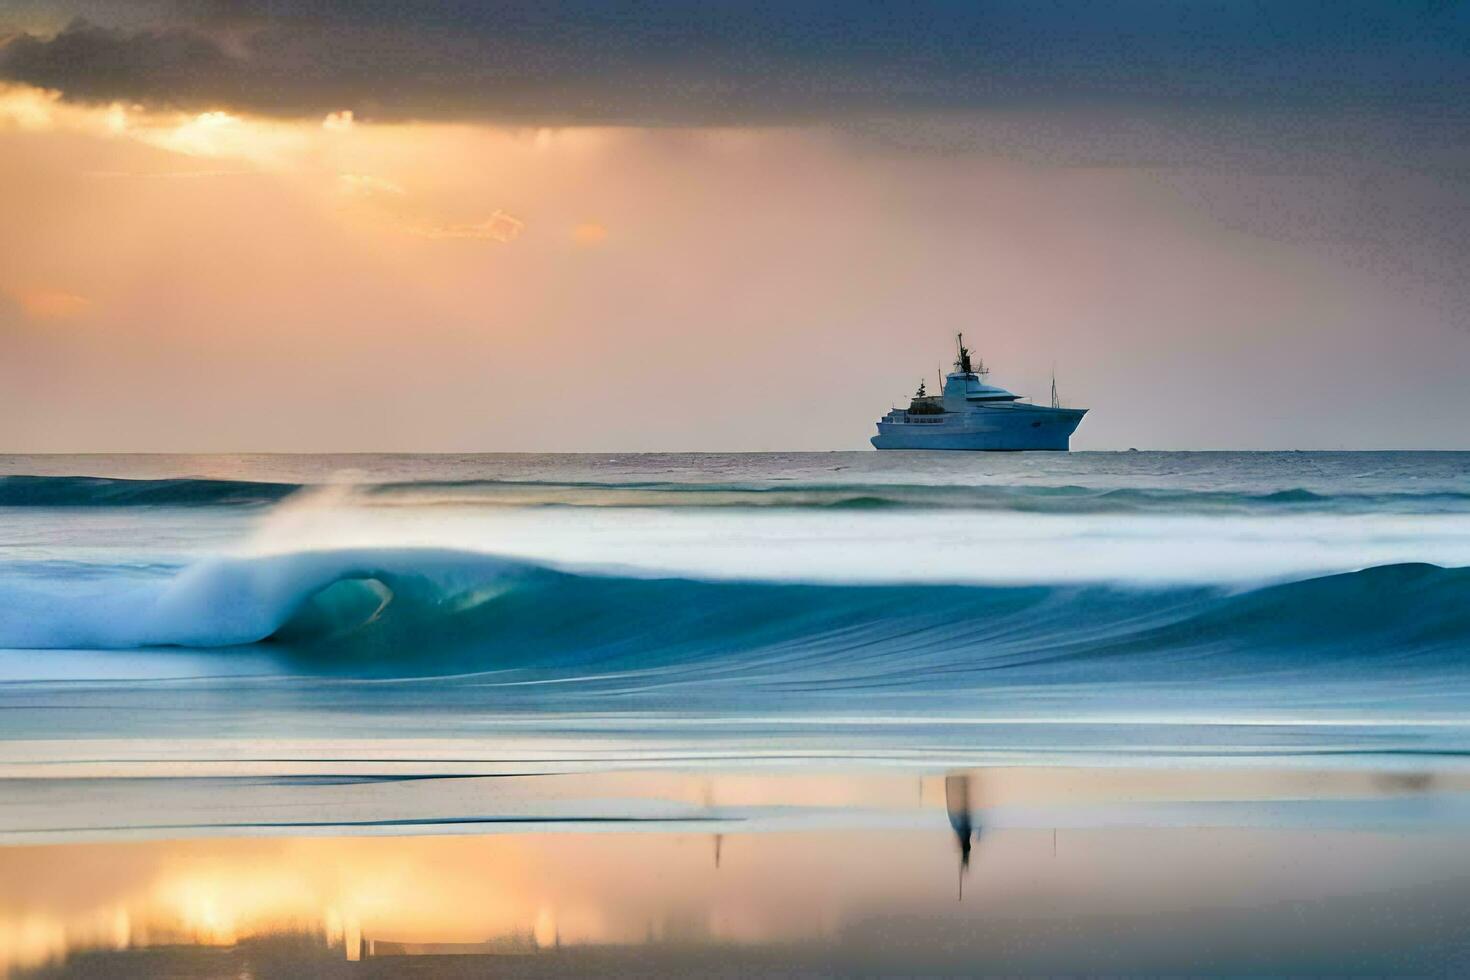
(367,185)
(53,304)
(214,134)
(499,227)
(90,62)
(672,62)
(42,303)
(26,108)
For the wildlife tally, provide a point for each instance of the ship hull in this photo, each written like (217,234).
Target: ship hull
(1017,428)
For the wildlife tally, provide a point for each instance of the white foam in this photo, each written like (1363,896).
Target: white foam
(905,546)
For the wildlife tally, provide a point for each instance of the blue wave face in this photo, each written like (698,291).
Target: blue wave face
(785,637)
(417,613)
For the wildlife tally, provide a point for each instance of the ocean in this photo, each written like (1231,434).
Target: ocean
(745,650)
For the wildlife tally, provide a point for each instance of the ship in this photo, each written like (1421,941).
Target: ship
(969,413)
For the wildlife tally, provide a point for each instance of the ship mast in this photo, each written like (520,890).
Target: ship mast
(962,362)
(1055,402)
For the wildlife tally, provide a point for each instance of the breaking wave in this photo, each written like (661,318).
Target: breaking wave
(406,613)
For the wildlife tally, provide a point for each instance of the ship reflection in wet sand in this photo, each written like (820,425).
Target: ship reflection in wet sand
(958,804)
(1144,881)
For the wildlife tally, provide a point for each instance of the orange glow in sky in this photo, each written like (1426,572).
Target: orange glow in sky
(335,283)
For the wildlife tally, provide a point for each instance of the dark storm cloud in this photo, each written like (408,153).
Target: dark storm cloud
(658,61)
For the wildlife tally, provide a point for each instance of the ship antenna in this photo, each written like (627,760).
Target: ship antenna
(1055,402)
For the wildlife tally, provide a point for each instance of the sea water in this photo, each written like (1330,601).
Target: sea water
(861,603)
(729,649)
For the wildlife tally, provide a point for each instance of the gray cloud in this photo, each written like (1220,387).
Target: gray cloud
(90,62)
(667,62)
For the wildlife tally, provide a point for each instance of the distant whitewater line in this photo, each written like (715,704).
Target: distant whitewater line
(97,491)
(88,491)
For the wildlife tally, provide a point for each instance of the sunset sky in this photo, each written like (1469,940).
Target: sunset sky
(382,226)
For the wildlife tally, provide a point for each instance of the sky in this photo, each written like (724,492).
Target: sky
(569,225)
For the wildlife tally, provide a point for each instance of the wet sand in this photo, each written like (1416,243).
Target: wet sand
(999,871)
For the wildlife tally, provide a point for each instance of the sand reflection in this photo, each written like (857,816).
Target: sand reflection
(824,895)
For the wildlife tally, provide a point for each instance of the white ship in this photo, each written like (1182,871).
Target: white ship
(971,414)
